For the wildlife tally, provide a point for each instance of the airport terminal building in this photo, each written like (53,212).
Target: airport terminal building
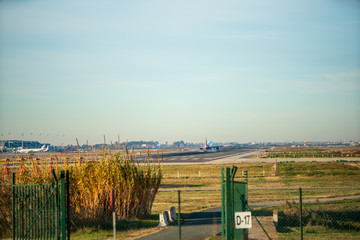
(11,145)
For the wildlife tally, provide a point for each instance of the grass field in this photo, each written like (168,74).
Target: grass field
(336,219)
(311,152)
(291,174)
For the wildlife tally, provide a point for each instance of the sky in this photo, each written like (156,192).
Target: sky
(180,70)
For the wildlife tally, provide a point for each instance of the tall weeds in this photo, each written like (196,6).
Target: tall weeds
(135,184)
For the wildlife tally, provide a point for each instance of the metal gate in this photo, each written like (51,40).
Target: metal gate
(235,212)
(233,200)
(38,210)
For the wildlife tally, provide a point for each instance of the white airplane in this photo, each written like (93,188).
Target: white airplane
(32,150)
(210,146)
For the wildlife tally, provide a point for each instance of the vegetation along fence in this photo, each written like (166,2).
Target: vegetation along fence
(90,183)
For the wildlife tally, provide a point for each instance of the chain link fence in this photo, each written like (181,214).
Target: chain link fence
(326,213)
(330,205)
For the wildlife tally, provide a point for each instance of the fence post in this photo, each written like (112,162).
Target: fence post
(228,208)
(113,211)
(62,202)
(67,183)
(222,205)
(301,226)
(179,216)
(57,205)
(13,205)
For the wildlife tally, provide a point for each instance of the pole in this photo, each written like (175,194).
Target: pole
(63,203)
(222,206)
(228,204)
(113,211)
(179,216)
(301,226)
(13,206)
(67,204)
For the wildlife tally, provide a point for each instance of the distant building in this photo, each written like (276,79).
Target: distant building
(10,145)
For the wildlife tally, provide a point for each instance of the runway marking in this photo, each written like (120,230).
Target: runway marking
(202,159)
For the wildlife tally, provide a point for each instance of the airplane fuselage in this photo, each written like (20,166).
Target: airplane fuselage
(32,150)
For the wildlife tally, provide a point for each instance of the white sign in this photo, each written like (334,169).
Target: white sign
(243,220)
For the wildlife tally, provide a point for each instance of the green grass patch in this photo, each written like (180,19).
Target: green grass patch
(124,229)
(320,220)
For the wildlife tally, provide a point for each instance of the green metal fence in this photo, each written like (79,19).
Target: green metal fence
(234,199)
(329,210)
(38,210)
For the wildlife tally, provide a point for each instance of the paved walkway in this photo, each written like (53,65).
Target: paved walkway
(201,225)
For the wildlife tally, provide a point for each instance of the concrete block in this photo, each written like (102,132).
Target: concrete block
(162,220)
(173,213)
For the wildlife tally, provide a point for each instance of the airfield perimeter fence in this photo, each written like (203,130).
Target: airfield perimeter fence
(283,212)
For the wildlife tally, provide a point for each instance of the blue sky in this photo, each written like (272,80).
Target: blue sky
(180,70)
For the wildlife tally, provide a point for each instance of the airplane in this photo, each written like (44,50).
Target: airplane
(61,149)
(210,146)
(32,150)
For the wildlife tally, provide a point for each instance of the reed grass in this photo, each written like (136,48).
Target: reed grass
(135,183)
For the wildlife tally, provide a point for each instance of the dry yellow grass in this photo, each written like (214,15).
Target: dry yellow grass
(135,184)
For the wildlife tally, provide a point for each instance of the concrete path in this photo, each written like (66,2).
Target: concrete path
(201,225)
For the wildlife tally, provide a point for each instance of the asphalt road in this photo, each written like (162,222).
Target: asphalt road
(200,225)
(196,226)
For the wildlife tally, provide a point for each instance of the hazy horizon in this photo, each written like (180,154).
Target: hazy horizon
(261,71)
(59,141)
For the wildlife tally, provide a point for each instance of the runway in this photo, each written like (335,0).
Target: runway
(221,156)
(200,157)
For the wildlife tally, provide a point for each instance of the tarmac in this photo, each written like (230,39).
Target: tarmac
(202,225)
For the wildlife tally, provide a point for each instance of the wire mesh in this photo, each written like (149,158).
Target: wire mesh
(327,213)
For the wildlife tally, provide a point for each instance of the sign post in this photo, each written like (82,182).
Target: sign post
(235,217)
